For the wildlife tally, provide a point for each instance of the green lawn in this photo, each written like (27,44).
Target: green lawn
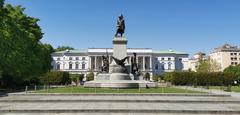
(233,88)
(108,90)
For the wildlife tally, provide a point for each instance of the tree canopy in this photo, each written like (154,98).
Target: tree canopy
(208,65)
(63,48)
(22,55)
(235,70)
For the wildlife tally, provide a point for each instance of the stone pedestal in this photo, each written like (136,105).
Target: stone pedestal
(120,47)
(118,72)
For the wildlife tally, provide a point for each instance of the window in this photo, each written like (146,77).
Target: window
(70,58)
(235,54)
(231,54)
(231,58)
(232,63)
(235,58)
(169,66)
(70,65)
(58,59)
(162,58)
(77,58)
(156,66)
(76,66)
(83,65)
(58,66)
(180,59)
(169,59)
(83,58)
(235,63)
(163,68)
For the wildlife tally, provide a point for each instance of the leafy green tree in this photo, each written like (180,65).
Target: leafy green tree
(1,3)
(90,76)
(208,65)
(22,56)
(235,70)
(63,48)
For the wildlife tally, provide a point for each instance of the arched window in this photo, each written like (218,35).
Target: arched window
(162,65)
(169,65)
(76,65)
(58,66)
(83,65)
(70,65)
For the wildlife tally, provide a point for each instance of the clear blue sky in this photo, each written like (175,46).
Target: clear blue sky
(182,25)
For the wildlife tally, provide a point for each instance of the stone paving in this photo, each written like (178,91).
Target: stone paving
(118,105)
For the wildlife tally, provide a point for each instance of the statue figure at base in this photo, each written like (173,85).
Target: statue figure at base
(105,67)
(120,62)
(120,26)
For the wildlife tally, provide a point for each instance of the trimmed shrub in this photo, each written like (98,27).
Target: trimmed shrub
(200,78)
(56,78)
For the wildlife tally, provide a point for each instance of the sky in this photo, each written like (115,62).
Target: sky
(181,25)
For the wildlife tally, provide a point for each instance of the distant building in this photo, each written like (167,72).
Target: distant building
(149,61)
(194,62)
(226,55)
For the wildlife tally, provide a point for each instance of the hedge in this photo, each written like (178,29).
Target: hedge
(56,78)
(200,78)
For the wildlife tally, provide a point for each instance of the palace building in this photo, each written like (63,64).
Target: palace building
(148,60)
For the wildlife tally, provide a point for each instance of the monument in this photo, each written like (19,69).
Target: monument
(118,73)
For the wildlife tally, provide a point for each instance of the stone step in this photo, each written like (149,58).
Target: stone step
(105,111)
(118,100)
(119,94)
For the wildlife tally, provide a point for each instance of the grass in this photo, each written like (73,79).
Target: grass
(233,88)
(108,90)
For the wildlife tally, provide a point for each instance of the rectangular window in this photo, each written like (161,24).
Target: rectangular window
(235,63)
(232,63)
(169,59)
(77,58)
(83,66)
(231,58)
(70,58)
(162,58)
(76,66)
(231,54)
(83,58)
(235,54)
(70,66)
(58,66)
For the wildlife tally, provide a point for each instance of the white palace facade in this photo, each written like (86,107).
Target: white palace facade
(149,60)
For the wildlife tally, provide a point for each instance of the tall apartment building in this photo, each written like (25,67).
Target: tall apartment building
(226,55)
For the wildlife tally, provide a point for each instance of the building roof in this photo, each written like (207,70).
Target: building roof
(137,50)
(227,48)
(73,51)
(168,52)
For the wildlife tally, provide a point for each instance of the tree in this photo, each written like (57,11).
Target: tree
(1,3)
(63,48)
(22,56)
(147,76)
(235,70)
(90,76)
(208,65)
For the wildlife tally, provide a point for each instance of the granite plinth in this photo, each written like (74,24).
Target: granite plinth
(119,84)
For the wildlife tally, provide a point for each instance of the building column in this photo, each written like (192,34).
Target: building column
(90,63)
(95,62)
(150,62)
(144,63)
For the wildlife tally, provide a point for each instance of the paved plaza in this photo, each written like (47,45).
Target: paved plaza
(118,104)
